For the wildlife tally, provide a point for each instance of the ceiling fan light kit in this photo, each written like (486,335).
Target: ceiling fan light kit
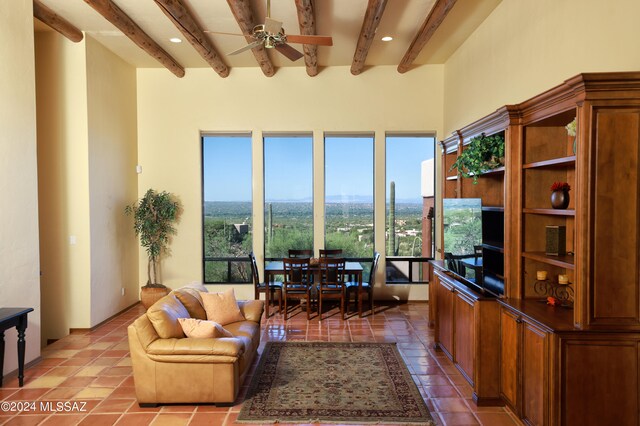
(272,36)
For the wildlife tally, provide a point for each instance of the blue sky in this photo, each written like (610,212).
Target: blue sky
(289,167)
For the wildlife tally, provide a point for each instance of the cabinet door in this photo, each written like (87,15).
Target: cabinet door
(444,300)
(509,331)
(464,335)
(534,370)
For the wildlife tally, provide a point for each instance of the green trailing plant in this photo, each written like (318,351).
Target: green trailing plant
(483,153)
(154,216)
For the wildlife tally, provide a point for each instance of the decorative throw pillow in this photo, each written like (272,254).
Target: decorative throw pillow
(222,307)
(191,300)
(164,316)
(197,286)
(202,329)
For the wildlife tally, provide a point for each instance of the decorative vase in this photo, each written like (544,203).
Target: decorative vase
(575,144)
(560,199)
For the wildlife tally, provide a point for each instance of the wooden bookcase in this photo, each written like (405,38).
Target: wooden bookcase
(574,364)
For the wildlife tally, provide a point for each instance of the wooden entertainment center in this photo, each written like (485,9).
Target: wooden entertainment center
(579,363)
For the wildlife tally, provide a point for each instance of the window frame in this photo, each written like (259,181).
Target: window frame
(228,259)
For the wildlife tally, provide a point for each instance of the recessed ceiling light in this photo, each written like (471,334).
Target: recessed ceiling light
(387,38)
(175,40)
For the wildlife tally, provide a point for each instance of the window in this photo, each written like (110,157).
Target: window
(288,194)
(409,206)
(226,210)
(349,194)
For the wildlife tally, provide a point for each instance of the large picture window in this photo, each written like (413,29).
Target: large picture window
(349,195)
(409,204)
(226,210)
(288,194)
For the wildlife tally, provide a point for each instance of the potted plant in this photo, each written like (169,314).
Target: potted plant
(482,154)
(560,195)
(154,217)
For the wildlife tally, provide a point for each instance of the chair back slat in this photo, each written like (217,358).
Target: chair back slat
(330,253)
(254,269)
(374,268)
(331,272)
(296,272)
(300,253)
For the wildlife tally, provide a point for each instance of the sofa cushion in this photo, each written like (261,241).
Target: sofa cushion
(190,298)
(222,307)
(251,309)
(198,286)
(200,329)
(164,316)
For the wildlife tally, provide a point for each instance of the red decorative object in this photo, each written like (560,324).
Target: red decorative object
(553,301)
(560,186)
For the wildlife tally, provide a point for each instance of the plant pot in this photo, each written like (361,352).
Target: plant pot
(560,199)
(150,294)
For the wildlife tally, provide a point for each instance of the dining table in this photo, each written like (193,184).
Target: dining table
(274,268)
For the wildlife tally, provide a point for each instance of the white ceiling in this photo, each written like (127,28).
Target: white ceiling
(341,19)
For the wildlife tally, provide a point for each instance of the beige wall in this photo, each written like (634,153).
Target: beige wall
(528,46)
(172,112)
(86,160)
(112,139)
(19,259)
(63,184)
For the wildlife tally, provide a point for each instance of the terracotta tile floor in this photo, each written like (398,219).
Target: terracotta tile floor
(93,371)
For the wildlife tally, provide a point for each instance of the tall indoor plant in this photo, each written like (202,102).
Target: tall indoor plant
(155,215)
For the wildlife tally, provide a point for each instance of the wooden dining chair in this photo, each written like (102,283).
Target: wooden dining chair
(300,253)
(298,280)
(274,287)
(366,288)
(331,284)
(330,252)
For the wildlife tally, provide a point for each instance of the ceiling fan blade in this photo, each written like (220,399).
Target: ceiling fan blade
(247,47)
(289,51)
(223,33)
(310,39)
(271,26)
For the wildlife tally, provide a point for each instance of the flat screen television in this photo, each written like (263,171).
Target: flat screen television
(462,219)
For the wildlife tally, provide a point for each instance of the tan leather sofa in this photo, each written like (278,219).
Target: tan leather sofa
(171,368)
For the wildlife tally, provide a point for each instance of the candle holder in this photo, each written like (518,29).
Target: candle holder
(562,292)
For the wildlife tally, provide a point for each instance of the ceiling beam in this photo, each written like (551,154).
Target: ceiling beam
(436,16)
(307,23)
(112,13)
(182,18)
(242,12)
(372,18)
(57,22)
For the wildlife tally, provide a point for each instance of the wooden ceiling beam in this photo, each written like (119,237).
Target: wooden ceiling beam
(436,16)
(307,23)
(56,22)
(372,18)
(112,13)
(242,12)
(182,18)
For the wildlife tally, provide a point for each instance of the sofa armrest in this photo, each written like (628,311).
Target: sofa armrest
(251,309)
(223,346)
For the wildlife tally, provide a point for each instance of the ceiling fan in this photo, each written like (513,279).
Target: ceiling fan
(272,36)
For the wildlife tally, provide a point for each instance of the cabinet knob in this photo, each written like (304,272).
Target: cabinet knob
(518,320)
(453,290)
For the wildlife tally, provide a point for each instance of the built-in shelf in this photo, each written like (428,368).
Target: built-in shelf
(452,177)
(550,212)
(554,162)
(565,261)
(492,209)
(496,171)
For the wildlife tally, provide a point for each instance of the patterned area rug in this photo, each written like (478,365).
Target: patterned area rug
(330,382)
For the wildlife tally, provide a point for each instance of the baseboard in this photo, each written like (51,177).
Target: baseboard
(86,330)
(10,375)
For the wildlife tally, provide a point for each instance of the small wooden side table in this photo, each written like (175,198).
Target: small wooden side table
(14,317)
